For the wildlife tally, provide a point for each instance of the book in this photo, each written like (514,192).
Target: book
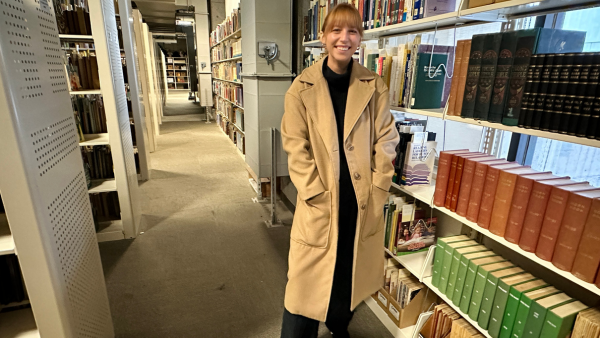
(524,308)
(489,192)
(446,263)
(479,285)
(555,210)
(506,304)
(587,324)
(489,62)
(441,184)
(472,269)
(460,46)
(536,209)
(462,78)
(538,311)
(474,69)
(439,255)
(429,81)
(520,202)
(497,287)
(454,265)
(477,186)
(461,274)
(571,228)
(458,178)
(560,320)
(587,258)
(452,175)
(464,192)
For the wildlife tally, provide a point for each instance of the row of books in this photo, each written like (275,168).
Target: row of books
(494,71)
(234,114)
(231,71)
(415,153)
(406,69)
(12,288)
(231,24)
(181,66)
(89,114)
(238,139)
(177,73)
(555,217)
(82,69)
(445,322)
(408,229)
(105,207)
(74,20)
(501,297)
(229,91)
(98,160)
(227,50)
(587,324)
(401,285)
(376,13)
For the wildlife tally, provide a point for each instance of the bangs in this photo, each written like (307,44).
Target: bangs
(343,15)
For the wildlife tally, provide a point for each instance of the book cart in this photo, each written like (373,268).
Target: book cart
(177,72)
(448,222)
(48,222)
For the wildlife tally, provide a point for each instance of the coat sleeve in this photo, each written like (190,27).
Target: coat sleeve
(385,141)
(301,163)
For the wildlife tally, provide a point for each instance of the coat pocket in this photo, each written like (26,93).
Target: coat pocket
(373,221)
(312,221)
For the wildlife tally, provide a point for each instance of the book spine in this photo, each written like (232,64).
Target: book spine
(487,198)
(595,115)
(555,326)
(446,264)
(451,176)
(465,187)
(531,96)
(456,257)
(455,76)
(487,302)
(534,216)
(571,230)
(459,284)
(521,317)
(474,70)
(555,210)
(504,302)
(535,320)
(489,62)
(436,271)
(460,164)
(503,69)
(462,78)
(534,119)
(465,300)
(518,208)
(554,93)
(571,113)
(587,259)
(477,296)
(476,192)
(502,203)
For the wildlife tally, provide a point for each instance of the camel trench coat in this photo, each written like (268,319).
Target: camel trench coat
(309,134)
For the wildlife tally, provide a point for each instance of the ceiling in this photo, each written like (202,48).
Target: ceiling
(159,14)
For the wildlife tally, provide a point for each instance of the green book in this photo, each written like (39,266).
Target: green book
(492,291)
(439,256)
(448,254)
(537,313)
(559,321)
(456,257)
(462,273)
(474,264)
(505,307)
(372,60)
(429,81)
(479,285)
(525,306)
(388,223)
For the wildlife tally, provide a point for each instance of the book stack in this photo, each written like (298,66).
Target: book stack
(98,160)
(83,71)
(462,329)
(105,207)
(554,217)
(443,321)
(407,229)
(227,50)
(231,120)
(89,114)
(228,71)
(401,285)
(12,289)
(587,324)
(501,297)
(229,91)
(75,19)
(227,27)
(375,13)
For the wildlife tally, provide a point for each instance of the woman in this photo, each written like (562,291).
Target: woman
(339,135)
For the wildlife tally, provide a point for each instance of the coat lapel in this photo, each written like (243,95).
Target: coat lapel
(359,95)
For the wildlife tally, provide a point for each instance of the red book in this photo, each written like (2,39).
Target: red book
(467,180)
(489,191)
(441,183)
(571,228)
(536,208)
(587,259)
(518,207)
(477,188)
(452,176)
(458,177)
(557,203)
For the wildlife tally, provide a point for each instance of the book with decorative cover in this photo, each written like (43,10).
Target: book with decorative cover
(474,70)
(489,62)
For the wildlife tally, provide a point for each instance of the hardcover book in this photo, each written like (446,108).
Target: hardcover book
(560,320)
(429,85)
(446,263)
(441,185)
(462,273)
(464,192)
(538,311)
(439,255)
(489,61)
(479,285)
(474,69)
(477,185)
(524,308)
(471,275)
(497,289)
(587,259)
(454,265)
(462,78)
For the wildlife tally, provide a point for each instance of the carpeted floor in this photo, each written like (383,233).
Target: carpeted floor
(180,105)
(206,265)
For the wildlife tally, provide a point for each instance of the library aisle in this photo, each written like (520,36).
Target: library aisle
(205,265)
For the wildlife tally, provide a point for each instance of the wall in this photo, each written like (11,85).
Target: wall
(230,5)
(217,13)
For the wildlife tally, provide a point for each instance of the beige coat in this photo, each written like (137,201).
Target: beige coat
(310,139)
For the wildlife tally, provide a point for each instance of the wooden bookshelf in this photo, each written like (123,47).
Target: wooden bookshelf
(235,35)
(176,61)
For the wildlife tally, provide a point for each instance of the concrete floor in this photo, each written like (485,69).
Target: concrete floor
(205,265)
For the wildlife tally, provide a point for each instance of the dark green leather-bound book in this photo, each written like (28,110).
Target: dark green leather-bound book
(595,116)
(429,82)
(588,91)
(534,117)
(474,69)
(489,62)
(530,97)
(562,67)
(573,100)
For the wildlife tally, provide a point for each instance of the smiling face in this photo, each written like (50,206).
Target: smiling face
(341,43)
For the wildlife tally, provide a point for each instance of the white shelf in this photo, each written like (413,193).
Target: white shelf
(95,139)
(545,134)
(519,7)
(236,82)
(425,194)
(18,324)
(231,59)
(14,304)
(86,92)
(412,262)
(7,245)
(427,282)
(235,35)
(442,20)
(75,37)
(110,231)
(105,185)
(406,332)
(427,112)
(313,43)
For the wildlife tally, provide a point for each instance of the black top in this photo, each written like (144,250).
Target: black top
(348,207)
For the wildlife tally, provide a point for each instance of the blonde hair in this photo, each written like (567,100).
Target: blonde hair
(343,15)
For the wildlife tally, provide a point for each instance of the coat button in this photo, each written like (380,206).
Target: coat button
(351,147)
(363,206)
(357,176)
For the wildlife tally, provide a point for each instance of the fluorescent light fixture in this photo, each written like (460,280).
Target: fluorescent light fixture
(166,40)
(184,23)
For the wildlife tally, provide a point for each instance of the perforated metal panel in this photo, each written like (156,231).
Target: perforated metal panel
(42,179)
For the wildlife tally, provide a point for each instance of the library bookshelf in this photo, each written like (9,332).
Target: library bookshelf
(178,72)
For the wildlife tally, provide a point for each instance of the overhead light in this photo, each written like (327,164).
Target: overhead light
(184,23)
(165,40)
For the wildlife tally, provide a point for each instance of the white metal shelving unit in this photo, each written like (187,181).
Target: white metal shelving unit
(172,61)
